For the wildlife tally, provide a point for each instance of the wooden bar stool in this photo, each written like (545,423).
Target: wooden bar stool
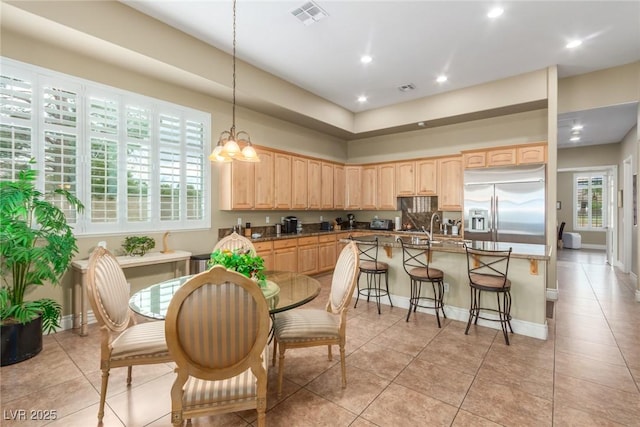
(373,270)
(416,263)
(488,273)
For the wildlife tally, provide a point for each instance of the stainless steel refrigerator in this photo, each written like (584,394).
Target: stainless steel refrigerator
(505,204)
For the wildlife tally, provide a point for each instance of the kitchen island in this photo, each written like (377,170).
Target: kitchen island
(527,272)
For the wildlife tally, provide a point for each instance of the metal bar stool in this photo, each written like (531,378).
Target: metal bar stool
(415,259)
(488,273)
(374,270)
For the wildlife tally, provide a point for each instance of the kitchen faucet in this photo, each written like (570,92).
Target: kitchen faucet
(430,232)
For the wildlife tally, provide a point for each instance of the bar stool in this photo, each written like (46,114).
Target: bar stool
(488,273)
(373,269)
(415,259)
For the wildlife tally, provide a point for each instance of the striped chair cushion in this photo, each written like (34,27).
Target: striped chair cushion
(489,281)
(143,339)
(422,273)
(200,393)
(343,275)
(373,266)
(113,291)
(305,325)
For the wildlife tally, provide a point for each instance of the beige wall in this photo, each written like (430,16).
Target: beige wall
(628,148)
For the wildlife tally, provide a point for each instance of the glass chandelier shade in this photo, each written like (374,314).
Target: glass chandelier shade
(230,141)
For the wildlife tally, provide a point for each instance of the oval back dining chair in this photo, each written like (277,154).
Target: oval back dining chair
(217,326)
(313,327)
(235,241)
(123,341)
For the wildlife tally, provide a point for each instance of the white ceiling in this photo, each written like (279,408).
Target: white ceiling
(416,41)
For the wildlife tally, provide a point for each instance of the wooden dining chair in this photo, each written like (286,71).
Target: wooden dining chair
(123,341)
(217,327)
(313,327)
(235,241)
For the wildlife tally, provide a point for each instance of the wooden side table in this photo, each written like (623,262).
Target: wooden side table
(80,268)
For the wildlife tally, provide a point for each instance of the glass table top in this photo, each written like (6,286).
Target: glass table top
(295,290)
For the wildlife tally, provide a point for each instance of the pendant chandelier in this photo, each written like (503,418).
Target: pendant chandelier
(230,141)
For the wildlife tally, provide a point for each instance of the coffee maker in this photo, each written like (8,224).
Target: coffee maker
(290,224)
(352,221)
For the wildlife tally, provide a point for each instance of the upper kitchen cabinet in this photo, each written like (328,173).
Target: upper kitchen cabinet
(406,179)
(527,154)
(501,157)
(264,184)
(282,181)
(314,184)
(299,180)
(237,185)
(353,193)
(386,197)
(426,177)
(450,183)
(327,185)
(369,179)
(339,187)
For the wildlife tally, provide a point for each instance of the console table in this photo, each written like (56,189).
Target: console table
(80,268)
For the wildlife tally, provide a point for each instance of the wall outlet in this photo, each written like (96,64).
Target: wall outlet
(321,218)
(446,287)
(239,221)
(266,220)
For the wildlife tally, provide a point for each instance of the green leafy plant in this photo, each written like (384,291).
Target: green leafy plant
(240,260)
(138,245)
(36,246)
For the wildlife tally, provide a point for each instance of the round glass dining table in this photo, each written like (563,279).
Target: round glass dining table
(295,290)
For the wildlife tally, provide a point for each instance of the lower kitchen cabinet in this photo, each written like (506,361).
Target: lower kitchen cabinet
(308,255)
(285,255)
(265,250)
(327,253)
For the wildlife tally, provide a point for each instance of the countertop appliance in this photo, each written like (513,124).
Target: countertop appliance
(352,220)
(290,225)
(381,224)
(505,204)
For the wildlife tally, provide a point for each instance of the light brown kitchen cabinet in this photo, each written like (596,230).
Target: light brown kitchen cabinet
(326,252)
(450,183)
(369,180)
(501,157)
(339,187)
(299,179)
(265,250)
(426,177)
(405,179)
(340,245)
(386,196)
(326,187)
(475,159)
(528,154)
(237,185)
(282,181)
(314,184)
(353,192)
(285,255)
(308,255)
(264,181)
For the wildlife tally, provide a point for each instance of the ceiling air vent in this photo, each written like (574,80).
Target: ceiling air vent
(309,13)
(407,88)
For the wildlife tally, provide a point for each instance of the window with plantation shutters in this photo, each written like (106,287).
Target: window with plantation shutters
(138,164)
(589,196)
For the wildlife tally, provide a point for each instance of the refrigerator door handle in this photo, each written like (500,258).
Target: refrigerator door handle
(492,224)
(496,220)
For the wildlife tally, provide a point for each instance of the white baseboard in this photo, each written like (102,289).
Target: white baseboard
(66,322)
(592,246)
(637,295)
(521,327)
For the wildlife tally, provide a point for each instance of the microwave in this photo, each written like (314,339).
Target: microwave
(381,224)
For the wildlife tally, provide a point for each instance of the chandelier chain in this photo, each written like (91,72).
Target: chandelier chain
(233,108)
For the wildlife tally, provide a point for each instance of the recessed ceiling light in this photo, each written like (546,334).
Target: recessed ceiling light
(421,124)
(573,44)
(577,127)
(365,59)
(495,12)
(362,98)
(441,79)
(574,139)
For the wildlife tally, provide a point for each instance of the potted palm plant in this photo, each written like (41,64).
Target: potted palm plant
(36,247)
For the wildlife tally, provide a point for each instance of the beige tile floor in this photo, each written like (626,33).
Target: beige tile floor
(400,374)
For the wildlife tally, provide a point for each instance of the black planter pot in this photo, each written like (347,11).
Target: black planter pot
(21,341)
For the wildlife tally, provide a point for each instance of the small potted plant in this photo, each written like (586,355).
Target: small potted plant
(138,245)
(36,247)
(242,261)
